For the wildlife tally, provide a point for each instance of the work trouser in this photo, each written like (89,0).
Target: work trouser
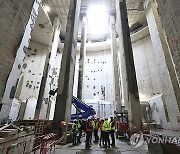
(101,138)
(74,138)
(88,136)
(106,139)
(112,137)
(90,140)
(80,134)
(96,135)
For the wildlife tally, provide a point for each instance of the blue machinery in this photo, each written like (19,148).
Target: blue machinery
(84,110)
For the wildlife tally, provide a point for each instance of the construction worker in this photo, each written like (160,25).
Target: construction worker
(96,128)
(89,129)
(80,127)
(74,132)
(102,132)
(93,127)
(112,122)
(106,128)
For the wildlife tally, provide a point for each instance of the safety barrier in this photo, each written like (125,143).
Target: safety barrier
(19,148)
(46,146)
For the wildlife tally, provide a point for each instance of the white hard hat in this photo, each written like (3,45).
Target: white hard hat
(106,118)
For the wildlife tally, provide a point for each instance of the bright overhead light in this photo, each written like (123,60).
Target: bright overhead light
(97,19)
(46,8)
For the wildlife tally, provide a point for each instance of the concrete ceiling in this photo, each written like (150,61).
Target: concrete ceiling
(58,8)
(61,7)
(42,29)
(136,13)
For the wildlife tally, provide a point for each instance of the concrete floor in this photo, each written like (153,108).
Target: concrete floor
(122,147)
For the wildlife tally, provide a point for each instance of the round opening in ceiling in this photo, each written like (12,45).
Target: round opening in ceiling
(98,21)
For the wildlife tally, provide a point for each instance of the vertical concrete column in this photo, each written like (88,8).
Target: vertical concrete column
(43,98)
(118,102)
(82,57)
(133,103)
(14,75)
(171,91)
(66,78)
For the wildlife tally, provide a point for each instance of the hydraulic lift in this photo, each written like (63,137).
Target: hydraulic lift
(85,110)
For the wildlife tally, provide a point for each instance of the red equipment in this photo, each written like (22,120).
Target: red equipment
(122,126)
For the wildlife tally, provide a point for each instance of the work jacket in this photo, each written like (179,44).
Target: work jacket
(101,125)
(112,125)
(89,126)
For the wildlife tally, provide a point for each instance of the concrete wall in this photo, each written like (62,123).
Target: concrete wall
(151,80)
(144,66)
(98,75)
(33,71)
(32,75)
(98,81)
(169,88)
(30,79)
(169,12)
(14,16)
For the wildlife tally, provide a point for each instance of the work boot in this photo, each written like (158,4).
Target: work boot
(105,146)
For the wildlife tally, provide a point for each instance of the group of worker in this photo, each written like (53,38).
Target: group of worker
(92,126)
(76,128)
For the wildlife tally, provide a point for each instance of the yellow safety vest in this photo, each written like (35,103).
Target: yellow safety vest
(74,127)
(93,124)
(106,126)
(96,124)
(79,125)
